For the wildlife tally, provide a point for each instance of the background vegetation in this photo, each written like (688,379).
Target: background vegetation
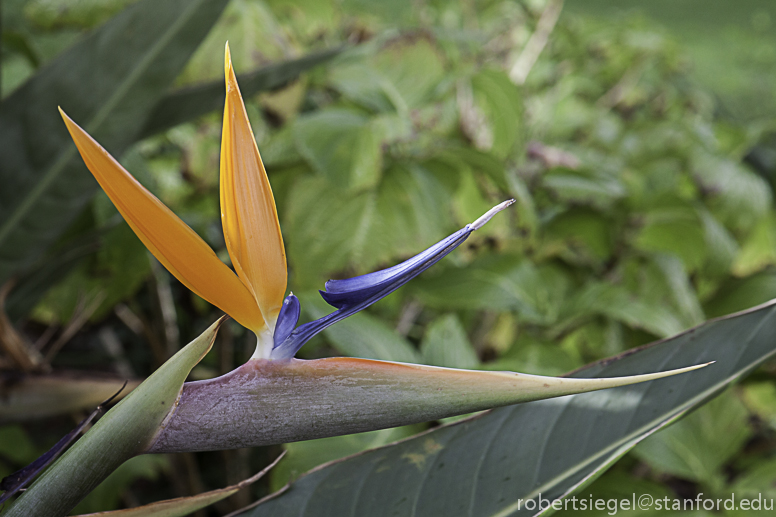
(638,150)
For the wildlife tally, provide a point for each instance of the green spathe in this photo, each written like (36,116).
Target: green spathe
(268,402)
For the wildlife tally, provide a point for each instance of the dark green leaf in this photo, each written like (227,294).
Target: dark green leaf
(614,301)
(303,456)
(759,480)
(585,235)
(759,249)
(599,191)
(108,82)
(737,195)
(681,289)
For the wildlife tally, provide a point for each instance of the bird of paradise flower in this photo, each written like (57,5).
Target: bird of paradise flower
(275,398)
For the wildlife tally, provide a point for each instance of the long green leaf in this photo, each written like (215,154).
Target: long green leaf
(491,464)
(110,81)
(611,458)
(125,431)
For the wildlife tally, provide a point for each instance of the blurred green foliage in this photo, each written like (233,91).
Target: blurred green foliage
(732,46)
(636,218)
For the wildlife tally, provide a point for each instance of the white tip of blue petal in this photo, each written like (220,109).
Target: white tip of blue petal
(487,216)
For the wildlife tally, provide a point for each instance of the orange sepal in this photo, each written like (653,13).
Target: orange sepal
(248,212)
(171,240)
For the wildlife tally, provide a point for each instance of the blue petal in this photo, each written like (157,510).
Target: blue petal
(340,293)
(354,294)
(287,319)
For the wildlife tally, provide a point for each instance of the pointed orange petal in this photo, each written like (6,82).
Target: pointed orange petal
(171,241)
(248,212)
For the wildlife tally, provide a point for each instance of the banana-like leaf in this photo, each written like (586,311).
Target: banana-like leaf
(181,506)
(125,431)
(267,402)
(612,458)
(490,465)
(110,81)
(28,396)
(188,103)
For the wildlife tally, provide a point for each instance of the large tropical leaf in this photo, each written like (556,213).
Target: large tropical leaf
(109,81)
(492,464)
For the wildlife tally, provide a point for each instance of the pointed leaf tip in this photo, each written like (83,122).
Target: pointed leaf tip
(171,241)
(248,213)
(249,406)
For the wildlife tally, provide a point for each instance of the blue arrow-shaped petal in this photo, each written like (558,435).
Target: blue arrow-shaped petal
(354,294)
